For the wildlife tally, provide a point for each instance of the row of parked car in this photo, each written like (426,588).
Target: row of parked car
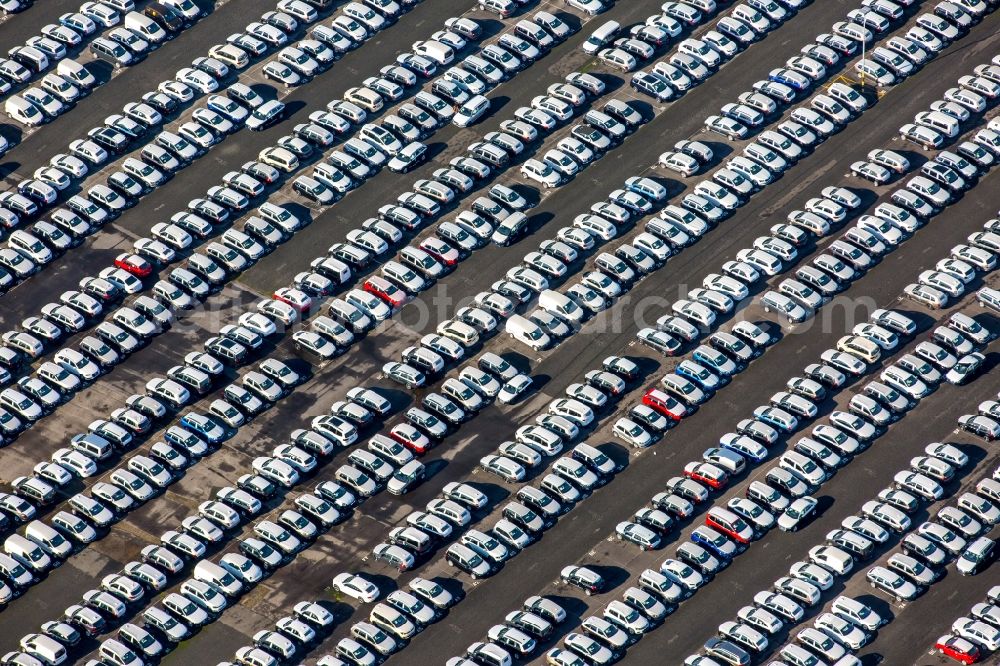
(175,387)
(942,123)
(479,553)
(373,149)
(393,622)
(131,35)
(753,169)
(249,246)
(482,553)
(728,530)
(519,635)
(776,148)
(125,328)
(170,150)
(812,458)
(950,278)
(955,531)
(274,542)
(879,390)
(175,237)
(428,111)
(904,575)
(726,533)
(559,490)
(848,622)
(695,59)
(806,127)
(130,31)
(178,292)
(972,638)
(498,217)
(184,286)
(263,468)
(166,153)
(87,452)
(860,246)
(855,542)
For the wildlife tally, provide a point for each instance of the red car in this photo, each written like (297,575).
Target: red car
(387,291)
(296,298)
(134,264)
(411,438)
(664,404)
(958,648)
(707,473)
(729,524)
(441,251)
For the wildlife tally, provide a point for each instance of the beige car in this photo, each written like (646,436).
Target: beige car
(279,158)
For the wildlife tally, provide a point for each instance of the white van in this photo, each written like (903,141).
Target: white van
(23,111)
(50,541)
(832,558)
(332,268)
(45,648)
(326,326)
(146,27)
(529,278)
(939,121)
(336,428)
(560,305)
(989,298)
(28,553)
(970,328)
(601,37)
(797,656)
(527,332)
(435,50)
(38,60)
(471,111)
(92,446)
(458,331)
(213,574)
(76,73)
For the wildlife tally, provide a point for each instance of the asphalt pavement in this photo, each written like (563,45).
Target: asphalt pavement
(580,536)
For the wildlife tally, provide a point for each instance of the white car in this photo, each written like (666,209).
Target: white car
(356,587)
(589,7)
(542,173)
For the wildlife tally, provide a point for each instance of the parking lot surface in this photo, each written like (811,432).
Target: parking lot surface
(758,210)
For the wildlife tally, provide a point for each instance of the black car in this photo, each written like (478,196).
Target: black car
(169,18)
(583,578)
(112,140)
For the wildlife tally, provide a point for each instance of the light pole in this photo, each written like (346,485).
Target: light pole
(864,43)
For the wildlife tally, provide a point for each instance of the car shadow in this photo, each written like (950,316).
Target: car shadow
(613,576)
